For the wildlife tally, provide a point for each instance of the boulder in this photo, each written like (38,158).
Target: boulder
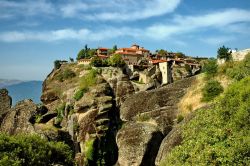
(123,89)
(174,138)
(49,97)
(168,143)
(17,119)
(159,106)
(138,144)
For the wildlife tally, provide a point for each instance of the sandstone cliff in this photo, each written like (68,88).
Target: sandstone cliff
(101,114)
(5,103)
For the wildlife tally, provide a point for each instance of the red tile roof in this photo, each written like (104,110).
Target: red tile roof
(102,48)
(129,53)
(158,61)
(131,49)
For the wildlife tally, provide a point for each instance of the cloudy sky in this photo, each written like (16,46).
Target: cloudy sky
(35,33)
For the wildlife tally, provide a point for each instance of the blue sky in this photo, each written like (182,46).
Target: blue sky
(35,33)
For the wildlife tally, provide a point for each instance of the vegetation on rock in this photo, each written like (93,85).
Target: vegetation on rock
(60,114)
(96,62)
(88,80)
(86,53)
(89,149)
(218,135)
(210,68)
(239,70)
(57,64)
(179,55)
(79,94)
(66,74)
(211,89)
(224,53)
(116,61)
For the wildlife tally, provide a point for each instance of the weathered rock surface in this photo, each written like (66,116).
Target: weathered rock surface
(168,143)
(119,82)
(123,89)
(146,113)
(5,103)
(174,138)
(159,105)
(17,119)
(138,144)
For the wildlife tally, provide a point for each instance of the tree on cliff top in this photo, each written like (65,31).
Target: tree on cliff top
(162,52)
(224,53)
(86,53)
(179,55)
(116,60)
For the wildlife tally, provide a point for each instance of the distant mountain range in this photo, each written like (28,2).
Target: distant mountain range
(20,90)
(4,82)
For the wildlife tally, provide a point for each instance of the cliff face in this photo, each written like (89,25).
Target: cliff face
(149,116)
(101,114)
(5,103)
(92,119)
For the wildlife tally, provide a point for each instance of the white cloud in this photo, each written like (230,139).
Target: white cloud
(119,10)
(217,40)
(181,25)
(113,10)
(67,34)
(187,24)
(11,9)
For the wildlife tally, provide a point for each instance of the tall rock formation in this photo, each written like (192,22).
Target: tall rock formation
(148,116)
(5,103)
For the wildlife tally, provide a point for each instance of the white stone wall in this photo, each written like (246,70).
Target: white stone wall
(221,61)
(240,55)
(166,72)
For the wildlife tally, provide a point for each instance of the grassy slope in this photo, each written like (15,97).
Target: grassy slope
(219,135)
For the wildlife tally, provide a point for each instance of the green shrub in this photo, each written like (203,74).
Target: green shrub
(96,62)
(89,79)
(179,118)
(79,94)
(237,73)
(33,150)
(224,53)
(222,69)
(60,114)
(65,75)
(116,60)
(57,64)
(240,70)
(210,68)
(211,89)
(219,135)
(89,149)
(236,70)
